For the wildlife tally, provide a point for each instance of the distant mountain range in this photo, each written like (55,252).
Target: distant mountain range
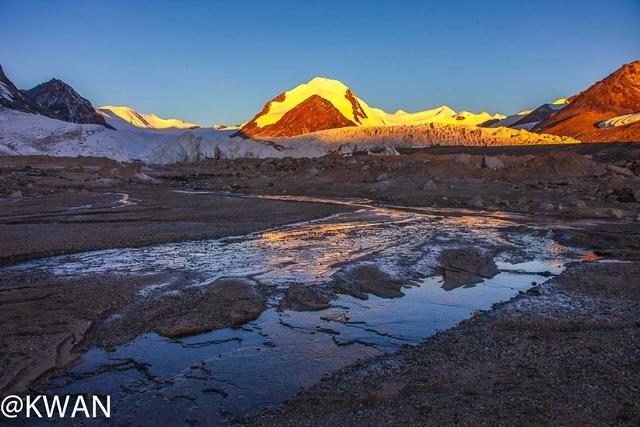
(320,116)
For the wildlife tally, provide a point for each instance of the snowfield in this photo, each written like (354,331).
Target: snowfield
(32,134)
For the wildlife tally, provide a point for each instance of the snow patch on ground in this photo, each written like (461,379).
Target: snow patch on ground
(624,120)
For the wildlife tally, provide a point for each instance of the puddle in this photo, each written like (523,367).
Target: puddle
(233,372)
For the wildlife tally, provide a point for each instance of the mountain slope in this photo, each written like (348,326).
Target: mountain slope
(11,97)
(313,114)
(126,118)
(616,95)
(299,111)
(60,99)
(538,115)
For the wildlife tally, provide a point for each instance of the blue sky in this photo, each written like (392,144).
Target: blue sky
(219,62)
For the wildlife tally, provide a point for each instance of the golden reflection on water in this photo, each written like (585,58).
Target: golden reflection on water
(314,231)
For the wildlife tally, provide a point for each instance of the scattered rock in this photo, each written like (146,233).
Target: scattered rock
(465,267)
(489,162)
(301,298)
(616,213)
(577,203)
(475,202)
(546,206)
(16,194)
(382,177)
(364,279)
(429,185)
(462,158)
(620,170)
(226,302)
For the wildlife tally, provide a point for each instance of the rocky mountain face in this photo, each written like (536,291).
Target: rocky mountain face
(313,114)
(64,103)
(616,95)
(11,97)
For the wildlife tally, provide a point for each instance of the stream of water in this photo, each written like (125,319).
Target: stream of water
(233,372)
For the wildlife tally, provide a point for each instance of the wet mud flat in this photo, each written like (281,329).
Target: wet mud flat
(47,224)
(212,331)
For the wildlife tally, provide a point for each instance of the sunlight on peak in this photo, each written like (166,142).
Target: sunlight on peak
(326,83)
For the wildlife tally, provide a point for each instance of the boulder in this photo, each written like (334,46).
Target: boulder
(382,177)
(462,158)
(620,170)
(489,162)
(475,202)
(429,185)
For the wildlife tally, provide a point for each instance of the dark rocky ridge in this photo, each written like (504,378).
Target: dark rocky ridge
(11,97)
(64,103)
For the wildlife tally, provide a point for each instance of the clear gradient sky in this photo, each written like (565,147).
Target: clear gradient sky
(219,62)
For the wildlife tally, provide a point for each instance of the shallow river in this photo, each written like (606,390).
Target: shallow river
(221,375)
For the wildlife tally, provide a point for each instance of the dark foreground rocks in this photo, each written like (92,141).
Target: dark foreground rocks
(567,353)
(368,279)
(301,298)
(465,267)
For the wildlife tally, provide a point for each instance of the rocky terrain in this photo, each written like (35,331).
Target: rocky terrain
(81,204)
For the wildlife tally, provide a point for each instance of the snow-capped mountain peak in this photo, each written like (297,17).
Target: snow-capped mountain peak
(126,118)
(324,103)
(334,91)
